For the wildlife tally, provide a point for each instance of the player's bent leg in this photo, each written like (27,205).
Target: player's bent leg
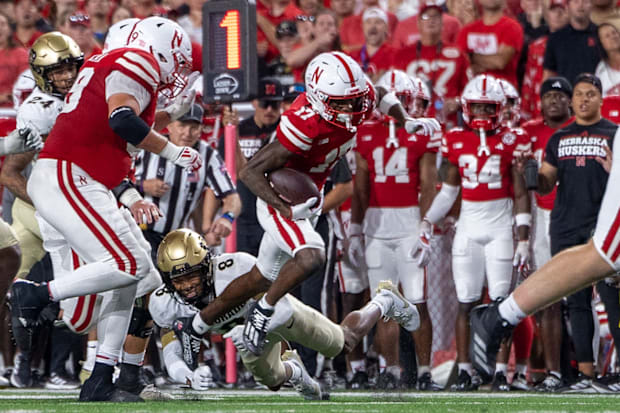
(27,232)
(10,254)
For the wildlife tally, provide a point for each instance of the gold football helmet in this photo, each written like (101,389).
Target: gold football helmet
(49,52)
(184,252)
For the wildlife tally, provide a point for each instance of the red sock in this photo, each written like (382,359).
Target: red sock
(522,338)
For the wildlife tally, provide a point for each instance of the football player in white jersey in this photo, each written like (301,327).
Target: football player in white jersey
(193,279)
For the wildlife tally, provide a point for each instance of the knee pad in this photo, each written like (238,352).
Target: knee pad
(140,316)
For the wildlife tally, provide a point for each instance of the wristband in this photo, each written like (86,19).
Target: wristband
(171,151)
(387,102)
(355,229)
(229,216)
(129,197)
(523,219)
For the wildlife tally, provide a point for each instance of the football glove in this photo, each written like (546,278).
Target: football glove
(427,125)
(21,140)
(236,335)
(356,250)
(422,248)
(189,159)
(307,209)
(202,378)
(522,257)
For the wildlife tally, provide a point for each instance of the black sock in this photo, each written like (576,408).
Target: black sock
(130,371)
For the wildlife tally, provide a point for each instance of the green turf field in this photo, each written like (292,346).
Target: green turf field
(288,401)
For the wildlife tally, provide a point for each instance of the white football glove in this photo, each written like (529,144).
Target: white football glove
(202,379)
(422,248)
(356,251)
(522,257)
(236,335)
(189,159)
(22,140)
(428,125)
(183,103)
(307,209)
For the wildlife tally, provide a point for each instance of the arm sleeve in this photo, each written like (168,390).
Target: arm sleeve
(173,358)
(217,176)
(118,82)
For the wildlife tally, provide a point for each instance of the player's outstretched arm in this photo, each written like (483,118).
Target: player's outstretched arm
(199,379)
(253,174)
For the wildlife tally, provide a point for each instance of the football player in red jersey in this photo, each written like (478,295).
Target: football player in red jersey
(479,160)
(394,185)
(317,130)
(555,99)
(108,110)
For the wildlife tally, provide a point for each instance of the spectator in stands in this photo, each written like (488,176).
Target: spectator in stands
(351,33)
(464,10)
(26,16)
(310,7)
(608,70)
(532,20)
(325,38)
(343,9)
(192,22)
(605,11)
(253,133)
(493,42)
(77,26)
(269,13)
(408,32)
(442,65)
(145,8)
(61,7)
(99,12)
(13,61)
(376,55)
(556,16)
(120,13)
(287,37)
(573,49)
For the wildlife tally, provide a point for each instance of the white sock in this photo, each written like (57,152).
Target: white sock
(93,278)
(295,371)
(510,311)
(423,369)
(134,359)
(556,373)
(467,367)
(382,364)
(501,367)
(521,368)
(263,303)
(91,353)
(384,302)
(358,365)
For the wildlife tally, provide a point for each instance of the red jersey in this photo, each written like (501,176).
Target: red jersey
(315,143)
(82,134)
(382,60)
(479,38)
(393,173)
(540,133)
(290,13)
(486,176)
(533,79)
(407,32)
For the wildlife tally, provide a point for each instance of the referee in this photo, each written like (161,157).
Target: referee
(178,193)
(577,158)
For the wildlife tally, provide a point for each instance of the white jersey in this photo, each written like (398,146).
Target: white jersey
(23,87)
(39,110)
(166,307)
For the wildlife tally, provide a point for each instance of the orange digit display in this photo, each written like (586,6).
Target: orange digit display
(231,23)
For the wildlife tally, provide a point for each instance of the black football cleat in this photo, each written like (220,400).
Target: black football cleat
(488,329)
(99,388)
(255,329)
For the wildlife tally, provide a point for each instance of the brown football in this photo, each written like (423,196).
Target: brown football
(293,186)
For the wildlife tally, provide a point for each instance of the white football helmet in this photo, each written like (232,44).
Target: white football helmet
(398,82)
(512,109)
(172,49)
(118,34)
(336,88)
(483,89)
(421,97)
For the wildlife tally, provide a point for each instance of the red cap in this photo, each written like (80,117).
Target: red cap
(79,18)
(427,4)
(558,3)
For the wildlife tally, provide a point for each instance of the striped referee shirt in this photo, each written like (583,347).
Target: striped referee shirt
(185,189)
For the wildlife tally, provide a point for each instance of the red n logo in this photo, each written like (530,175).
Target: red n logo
(317,74)
(270,90)
(177,38)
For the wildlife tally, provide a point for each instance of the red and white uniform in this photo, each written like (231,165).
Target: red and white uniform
(393,216)
(316,146)
(70,188)
(480,38)
(446,67)
(607,233)
(539,134)
(484,242)
(407,32)
(533,79)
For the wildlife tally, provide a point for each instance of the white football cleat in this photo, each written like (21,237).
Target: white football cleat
(401,310)
(305,384)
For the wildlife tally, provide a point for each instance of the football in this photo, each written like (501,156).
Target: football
(294,187)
